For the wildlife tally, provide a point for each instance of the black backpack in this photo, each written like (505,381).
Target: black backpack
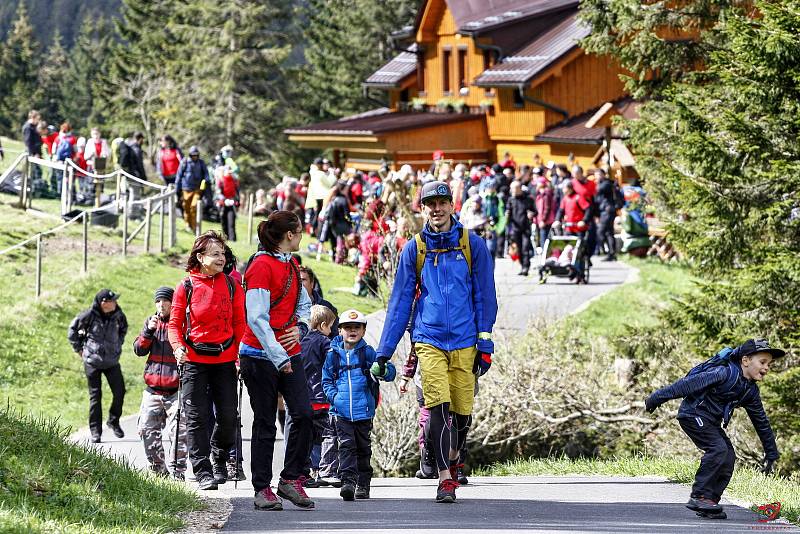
(374,386)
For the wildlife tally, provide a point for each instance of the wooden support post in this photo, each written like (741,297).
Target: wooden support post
(38,265)
(172,229)
(250,202)
(161,226)
(85,242)
(125,225)
(23,192)
(148,226)
(198,220)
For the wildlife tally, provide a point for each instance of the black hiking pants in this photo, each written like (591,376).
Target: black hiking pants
(522,239)
(227,218)
(605,233)
(117,385)
(204,384)
(716,465)
(355,451)
(264,382)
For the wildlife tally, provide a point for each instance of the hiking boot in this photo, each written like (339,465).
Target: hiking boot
(362,491)
(460,477)
(703,504)
(334,482)
(294,492)
(446,492)
(236,472)
(266,500)
(115,428)
(220,472)
(96,438)
(314,481)
(178,476)
(422,474)
(348,492)
(206,482)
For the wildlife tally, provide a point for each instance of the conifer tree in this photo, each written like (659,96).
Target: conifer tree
(19,62)
(51,84)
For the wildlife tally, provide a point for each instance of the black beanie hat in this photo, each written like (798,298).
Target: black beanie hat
(164,292)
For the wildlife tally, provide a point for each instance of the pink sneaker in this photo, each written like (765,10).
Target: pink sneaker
(266,500)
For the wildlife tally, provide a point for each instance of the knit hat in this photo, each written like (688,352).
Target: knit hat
(165,293)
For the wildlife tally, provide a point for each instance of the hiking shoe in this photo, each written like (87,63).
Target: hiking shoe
(313,482)
(422,474)
(236,472)
(362,492)
(461,478)
(348,492)
(335,482)
(178,476)
(703,504)
(294,492)
(220,472)
(266,500)
(446,492)
(115,428)
(206,482)
(95,438)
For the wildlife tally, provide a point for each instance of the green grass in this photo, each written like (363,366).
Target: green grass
(634,304)
(48,484)
(747,484)
(11,149)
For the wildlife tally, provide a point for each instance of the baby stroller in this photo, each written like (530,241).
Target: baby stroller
(563,256)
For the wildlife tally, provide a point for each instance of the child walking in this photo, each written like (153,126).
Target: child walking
(710,392)
(315,346)
(350,380)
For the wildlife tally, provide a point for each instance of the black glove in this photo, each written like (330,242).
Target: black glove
(767,466)
(650,404)
(482,363)
(381,361)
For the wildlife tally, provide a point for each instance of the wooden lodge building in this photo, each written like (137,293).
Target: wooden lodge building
(479,78)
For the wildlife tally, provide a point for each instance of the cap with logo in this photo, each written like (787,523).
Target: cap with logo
(106,294)
(751,346)
(435,189)
(352,316)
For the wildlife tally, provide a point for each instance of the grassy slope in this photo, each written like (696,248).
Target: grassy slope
(746,484)
(50,485)
(40,373)
(11,149)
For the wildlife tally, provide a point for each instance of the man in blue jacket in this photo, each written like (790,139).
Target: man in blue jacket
(192,174)
(446,275)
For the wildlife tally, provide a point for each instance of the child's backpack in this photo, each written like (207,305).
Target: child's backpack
(374,386)
(720,359)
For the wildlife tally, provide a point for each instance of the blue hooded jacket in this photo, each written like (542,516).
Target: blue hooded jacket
(453,307)
(349,392)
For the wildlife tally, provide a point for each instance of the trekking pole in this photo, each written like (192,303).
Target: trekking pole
(238,431)
(178,419)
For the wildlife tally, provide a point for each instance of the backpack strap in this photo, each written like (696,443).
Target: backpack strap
(187,325)
(465,247)
(422,251)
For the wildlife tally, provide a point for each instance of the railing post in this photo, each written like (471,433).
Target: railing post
(125,225)
(85,242)
(147,226)
(198,220)
(23,192)
(161,226)
(172,228)
(250,201)
(117,190)
(38,265)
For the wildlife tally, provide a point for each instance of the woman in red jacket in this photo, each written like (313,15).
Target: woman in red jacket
(205,330)
(278,308)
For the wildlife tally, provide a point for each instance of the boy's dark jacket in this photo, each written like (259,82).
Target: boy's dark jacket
(161,369)
(98,336)
(703,397)
(315,347)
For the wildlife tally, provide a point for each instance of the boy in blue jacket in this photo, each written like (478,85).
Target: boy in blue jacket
(350,380)
(709,398)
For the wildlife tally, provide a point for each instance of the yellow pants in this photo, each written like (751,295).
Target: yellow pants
(447,377)
(190,200)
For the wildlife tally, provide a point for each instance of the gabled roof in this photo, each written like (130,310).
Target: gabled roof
(477,16)
(395,71)
(577,130)
(529,62)
(381,121)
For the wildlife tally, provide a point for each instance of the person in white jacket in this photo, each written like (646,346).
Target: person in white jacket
(96,147)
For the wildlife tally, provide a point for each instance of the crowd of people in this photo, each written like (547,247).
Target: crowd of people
(365,218)
(213,188)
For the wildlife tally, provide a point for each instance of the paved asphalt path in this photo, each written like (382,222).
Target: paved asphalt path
(532,504)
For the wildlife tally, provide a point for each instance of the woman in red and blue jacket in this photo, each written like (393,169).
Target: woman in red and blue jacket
(204,331)
(278,311)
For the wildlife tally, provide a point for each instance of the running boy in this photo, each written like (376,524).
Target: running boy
(160,398)
(350,380)
(315,346)
(710,392)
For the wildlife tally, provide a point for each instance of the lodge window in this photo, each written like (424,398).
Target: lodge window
(462,68)
(446,60)
(519,102)
(488,62)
